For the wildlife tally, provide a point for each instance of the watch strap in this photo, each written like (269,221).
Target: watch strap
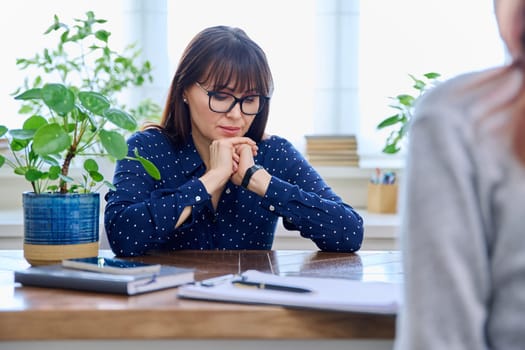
(248,174)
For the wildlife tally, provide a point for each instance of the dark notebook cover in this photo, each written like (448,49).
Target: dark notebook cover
(56,276)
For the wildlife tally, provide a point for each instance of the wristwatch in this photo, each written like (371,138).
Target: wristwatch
(248,174)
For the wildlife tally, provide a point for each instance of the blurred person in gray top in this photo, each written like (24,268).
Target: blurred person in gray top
(463,207)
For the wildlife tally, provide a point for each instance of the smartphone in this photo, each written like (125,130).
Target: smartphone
(111,265)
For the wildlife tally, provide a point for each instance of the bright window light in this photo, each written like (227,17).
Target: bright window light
(404,37)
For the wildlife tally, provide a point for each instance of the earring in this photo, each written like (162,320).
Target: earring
(185,100)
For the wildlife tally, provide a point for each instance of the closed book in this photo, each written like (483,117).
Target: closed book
(56,276)
(331,138)
(334,152)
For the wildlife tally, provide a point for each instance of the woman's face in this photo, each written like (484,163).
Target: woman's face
(207,125)
(510,17)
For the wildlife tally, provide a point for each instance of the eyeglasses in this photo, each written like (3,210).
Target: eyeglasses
(223,102)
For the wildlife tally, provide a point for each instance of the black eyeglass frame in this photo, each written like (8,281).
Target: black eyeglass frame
(263,99)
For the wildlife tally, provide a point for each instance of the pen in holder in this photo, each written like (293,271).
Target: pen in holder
(382,193)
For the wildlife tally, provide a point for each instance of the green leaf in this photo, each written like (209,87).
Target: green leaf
(50,139)
(74,188)
(3,130)
(2,160)
(66,178)
(102,35)
(19,134)
(391,149)
(52,188)
(389,121)
(18,145)
(58,98)
(54,172)
(19,170)
(90,165)
(55,26)
(405,100)
(51,161)
(419,84)
(150,168)
(31,94)
(432,75)
(96,176)
(34,122)
(33,175)
(114,143)
(121,119)
(25,109)
(64,36)
(94,102)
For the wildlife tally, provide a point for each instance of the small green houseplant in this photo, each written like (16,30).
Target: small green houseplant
(404,106)
(73,117)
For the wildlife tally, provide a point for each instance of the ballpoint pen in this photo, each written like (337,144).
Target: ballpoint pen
(212,282)
(269,286)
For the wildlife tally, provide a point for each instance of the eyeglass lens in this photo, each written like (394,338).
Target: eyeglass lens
(223,102)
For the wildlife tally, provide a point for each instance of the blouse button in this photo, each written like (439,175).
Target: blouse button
(197,198)
(271,207)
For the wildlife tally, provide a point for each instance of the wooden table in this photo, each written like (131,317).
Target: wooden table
(30,313)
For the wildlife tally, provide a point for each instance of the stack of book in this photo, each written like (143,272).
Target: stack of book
(332,150)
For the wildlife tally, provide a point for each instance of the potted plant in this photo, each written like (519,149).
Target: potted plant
(404,106)
(69,119)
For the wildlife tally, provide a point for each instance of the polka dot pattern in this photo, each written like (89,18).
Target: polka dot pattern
(141,213)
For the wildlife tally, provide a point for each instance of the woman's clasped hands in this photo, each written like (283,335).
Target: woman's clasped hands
(231,157)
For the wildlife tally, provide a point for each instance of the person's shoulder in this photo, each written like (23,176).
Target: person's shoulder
(275,141)
(152,138)
(149,134)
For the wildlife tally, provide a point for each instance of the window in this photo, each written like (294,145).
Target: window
(335,63)
(283,29)
(23,24)
(404,37)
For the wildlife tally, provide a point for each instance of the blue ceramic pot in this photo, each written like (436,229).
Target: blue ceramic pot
(60,226)
(54,218)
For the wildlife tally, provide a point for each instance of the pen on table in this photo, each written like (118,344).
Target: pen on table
(211,282)
(269,286)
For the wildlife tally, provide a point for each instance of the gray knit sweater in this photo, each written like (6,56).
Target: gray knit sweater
(463,220)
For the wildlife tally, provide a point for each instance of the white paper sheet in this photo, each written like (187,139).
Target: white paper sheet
(327,293)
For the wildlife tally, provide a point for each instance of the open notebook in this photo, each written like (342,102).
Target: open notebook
(324,293)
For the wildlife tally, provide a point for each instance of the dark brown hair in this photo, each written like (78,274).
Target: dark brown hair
(225,56)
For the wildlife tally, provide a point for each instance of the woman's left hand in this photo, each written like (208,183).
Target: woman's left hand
(245,154)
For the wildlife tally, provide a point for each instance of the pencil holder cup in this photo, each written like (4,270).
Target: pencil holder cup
(382,198)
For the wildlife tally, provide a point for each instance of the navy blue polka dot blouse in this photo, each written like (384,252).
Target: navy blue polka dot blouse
(141,213)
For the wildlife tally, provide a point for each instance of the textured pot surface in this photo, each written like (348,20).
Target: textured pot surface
(60,226)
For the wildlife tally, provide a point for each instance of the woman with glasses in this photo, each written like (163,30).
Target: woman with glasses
(224,181)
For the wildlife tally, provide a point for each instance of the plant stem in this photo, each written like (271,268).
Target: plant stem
(65,167)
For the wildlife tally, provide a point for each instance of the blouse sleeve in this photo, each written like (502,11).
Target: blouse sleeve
(306,203)
(140,215)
